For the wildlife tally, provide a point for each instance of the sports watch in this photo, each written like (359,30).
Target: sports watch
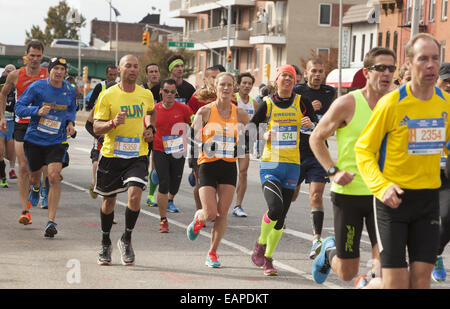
(332,170)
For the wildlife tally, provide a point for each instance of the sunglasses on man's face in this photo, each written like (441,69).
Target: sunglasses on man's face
(382,68)
(170,91)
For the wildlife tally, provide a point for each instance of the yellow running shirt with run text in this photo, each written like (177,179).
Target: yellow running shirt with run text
(126,140)
(408,135)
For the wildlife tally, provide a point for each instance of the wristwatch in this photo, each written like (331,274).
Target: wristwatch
(332,170)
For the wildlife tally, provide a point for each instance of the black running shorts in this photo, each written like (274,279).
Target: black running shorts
(39,156)
(217,172)
(350,213)
(115,175)
(19,131)
(413,225)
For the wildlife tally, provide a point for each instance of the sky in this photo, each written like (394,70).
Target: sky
(18,16)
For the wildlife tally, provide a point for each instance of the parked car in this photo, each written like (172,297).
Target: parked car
(68,43)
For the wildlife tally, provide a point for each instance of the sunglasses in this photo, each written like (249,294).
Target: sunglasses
(60,60)
(169,91)
(382,68)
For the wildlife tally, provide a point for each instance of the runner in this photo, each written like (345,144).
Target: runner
(6,138)
(51,104)
(21,79)
(352,200)
(280,162)
(123,165)
(218,123)
(110,77)
(245,83)
(439,273)
(169,146)
(398,156)
(311,171)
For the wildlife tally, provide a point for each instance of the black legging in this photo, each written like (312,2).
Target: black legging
(169,170)
(444,205)
(278,200)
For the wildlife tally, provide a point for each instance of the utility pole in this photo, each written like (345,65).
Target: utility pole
(415,18)
(340,51)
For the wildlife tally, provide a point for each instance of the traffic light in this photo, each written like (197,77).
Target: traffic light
(85,74)
(146,38)
(267,71)
(229,56)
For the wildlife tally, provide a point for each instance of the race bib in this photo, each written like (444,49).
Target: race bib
(224,146)
(426,136)
(173,143)
(126,147)
(285,137)
(49,124)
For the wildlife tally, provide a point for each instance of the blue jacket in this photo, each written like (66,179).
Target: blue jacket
(49,129)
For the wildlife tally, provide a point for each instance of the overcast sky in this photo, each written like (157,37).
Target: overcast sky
(17,16)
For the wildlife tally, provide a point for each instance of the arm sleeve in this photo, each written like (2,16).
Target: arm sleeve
(370,149)
(260,114)
(22,108)
(94,96)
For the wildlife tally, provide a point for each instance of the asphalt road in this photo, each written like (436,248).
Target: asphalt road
(163,261)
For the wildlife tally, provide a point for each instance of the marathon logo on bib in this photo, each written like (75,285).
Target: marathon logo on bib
(126,147)
(49,124)
(173,144)
(426,136)
(286,137)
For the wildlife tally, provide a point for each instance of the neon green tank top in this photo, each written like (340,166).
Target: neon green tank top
(346,138)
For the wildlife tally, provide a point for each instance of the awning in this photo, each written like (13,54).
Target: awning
(351,77)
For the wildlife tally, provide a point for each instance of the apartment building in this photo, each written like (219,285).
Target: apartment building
(261,32)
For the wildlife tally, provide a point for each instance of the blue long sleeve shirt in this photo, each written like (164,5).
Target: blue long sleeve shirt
(48,129)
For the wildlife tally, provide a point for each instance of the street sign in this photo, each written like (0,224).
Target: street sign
(181,44)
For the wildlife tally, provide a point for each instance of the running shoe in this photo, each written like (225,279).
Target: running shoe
(104,256)
(50,229)
(193,230)
(126,252)
(34,197)
(151,202)
(4,183)
(321,266)
(211,260)
(12,174)
(315,249)
(25,218)
(91,192)
(191,179)
(269,269)
(164,226)
(362,281)
(171,207)
(258,254)
(44,195)
(238,211)
(438,274)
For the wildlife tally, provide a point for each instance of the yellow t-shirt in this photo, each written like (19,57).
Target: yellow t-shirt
(125,141)
(409,135)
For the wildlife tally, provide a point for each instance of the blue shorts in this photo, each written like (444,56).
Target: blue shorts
(312,171)
(284,173)
(9,130)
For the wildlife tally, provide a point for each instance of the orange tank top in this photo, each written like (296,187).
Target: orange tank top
(23,81)
(219,137)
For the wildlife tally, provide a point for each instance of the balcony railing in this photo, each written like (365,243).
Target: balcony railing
(219,33)
(266,29)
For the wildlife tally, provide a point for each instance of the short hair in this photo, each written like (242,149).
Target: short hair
(150,64)
(313,61)
(110,66)
(369,58)
(174,57)
(402,70)
(36,44)
(219,67)
(297,69)
(168,81)
(409,49)
(245,74)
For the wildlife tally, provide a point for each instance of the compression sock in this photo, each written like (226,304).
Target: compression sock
(130,221)
(151,185)
(317,222)
(266,227)
(106,222)
(2,169)
(272,241)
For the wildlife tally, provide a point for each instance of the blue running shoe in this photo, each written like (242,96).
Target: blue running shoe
(155,178)
(44,195)
(321,266)
(50,229)
(438,274)
(212,261)
(171,207)
(34,196)
(238,211)
(193,230)
(191,179)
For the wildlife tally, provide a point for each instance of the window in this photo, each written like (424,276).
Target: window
(444,9)
(371,41)
(380,39)
(421,12)
(249,59)
(323,53)
(257,60)
(408,12)
(353,48)
(388,39)
(363,45)
(325,14)
(201,62)
(432,10)
(395,42)
(279,56)
(443,43)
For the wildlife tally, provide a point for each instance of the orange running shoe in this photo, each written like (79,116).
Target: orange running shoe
(25,218)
